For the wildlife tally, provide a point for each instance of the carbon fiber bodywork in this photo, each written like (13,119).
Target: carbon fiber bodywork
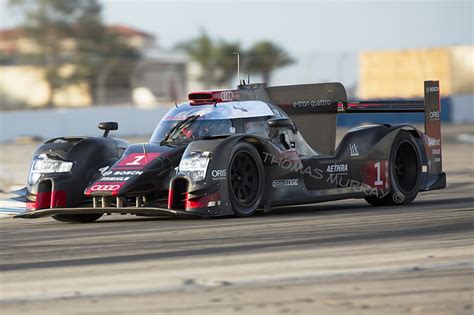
(110,176)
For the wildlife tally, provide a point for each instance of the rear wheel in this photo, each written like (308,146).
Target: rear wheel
(246,180)
(405,172)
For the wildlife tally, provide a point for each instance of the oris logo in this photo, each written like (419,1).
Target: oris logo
(434,115)
(105,187)
(219,173)
(227,96)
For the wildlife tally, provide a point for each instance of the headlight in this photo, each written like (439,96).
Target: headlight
(194,165)
(44,165)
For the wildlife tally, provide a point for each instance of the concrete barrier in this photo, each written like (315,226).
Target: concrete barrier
(49,123)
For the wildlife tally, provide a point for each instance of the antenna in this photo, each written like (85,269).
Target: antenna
(248,78)
(238,66)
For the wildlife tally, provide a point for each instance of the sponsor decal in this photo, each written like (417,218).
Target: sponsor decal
(436,151)
(433,142)
(285,182)
(127,173)
(311,103)
(219,174)
(232,129)
(337,168)
(437,160)
(104,169)
(431,89)
(114,179)
(240,108)
(227,96)
(119,176)
(105,187)
(434,115)
(353,149)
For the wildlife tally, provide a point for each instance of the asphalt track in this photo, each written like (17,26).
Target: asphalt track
(331,258)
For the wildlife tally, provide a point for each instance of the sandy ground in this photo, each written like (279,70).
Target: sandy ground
(333,258)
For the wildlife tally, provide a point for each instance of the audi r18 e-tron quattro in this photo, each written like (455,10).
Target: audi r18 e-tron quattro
(232,152)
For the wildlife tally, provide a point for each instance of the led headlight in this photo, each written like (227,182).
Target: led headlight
(44,165)
(194,165)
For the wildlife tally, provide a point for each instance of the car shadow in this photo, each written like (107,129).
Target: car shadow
(323,209)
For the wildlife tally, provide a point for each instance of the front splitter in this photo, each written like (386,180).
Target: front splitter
(148,211)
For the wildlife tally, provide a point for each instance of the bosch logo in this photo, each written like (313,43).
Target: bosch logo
(434,115)
(227,96)
(105,187)
(219,173)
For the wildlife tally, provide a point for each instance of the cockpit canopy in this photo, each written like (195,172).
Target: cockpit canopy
(213,119)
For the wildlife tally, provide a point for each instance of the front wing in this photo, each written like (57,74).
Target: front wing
(147,211)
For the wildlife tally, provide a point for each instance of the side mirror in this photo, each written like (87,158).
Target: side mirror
(107,126)
(280,123)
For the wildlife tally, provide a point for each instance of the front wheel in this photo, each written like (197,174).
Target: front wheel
(246,179)
(405,172)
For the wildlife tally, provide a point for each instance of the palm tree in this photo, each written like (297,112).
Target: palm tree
(203,51)
(264,57)
(217,61)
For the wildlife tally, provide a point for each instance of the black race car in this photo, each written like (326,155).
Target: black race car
(231,152)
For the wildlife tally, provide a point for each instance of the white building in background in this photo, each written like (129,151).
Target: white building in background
(159,78)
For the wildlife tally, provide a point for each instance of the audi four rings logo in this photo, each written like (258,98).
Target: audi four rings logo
(105,187)
(227,95)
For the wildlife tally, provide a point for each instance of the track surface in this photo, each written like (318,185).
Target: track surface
(333,258)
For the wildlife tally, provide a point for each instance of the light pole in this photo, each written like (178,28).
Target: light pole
(238,66)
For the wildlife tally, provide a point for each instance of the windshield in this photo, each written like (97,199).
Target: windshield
(208,120)
(198,129)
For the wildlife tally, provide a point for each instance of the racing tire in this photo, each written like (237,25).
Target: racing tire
(405,172)
(245,180)
(77,218)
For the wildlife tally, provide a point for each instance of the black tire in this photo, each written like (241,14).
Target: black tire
(245,179)
(77,218)
(405,172)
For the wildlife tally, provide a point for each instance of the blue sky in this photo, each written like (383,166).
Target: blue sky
(324,36)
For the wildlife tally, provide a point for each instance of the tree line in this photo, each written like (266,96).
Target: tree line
(72,32)
(219,64)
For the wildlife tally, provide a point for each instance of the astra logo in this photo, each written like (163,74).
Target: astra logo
(337,168)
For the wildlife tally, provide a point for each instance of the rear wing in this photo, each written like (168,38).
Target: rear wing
(430,106)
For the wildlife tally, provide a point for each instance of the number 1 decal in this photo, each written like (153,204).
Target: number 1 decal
(136,160)
(375,174)
(378,180)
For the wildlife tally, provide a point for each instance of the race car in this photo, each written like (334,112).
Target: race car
(233,152)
